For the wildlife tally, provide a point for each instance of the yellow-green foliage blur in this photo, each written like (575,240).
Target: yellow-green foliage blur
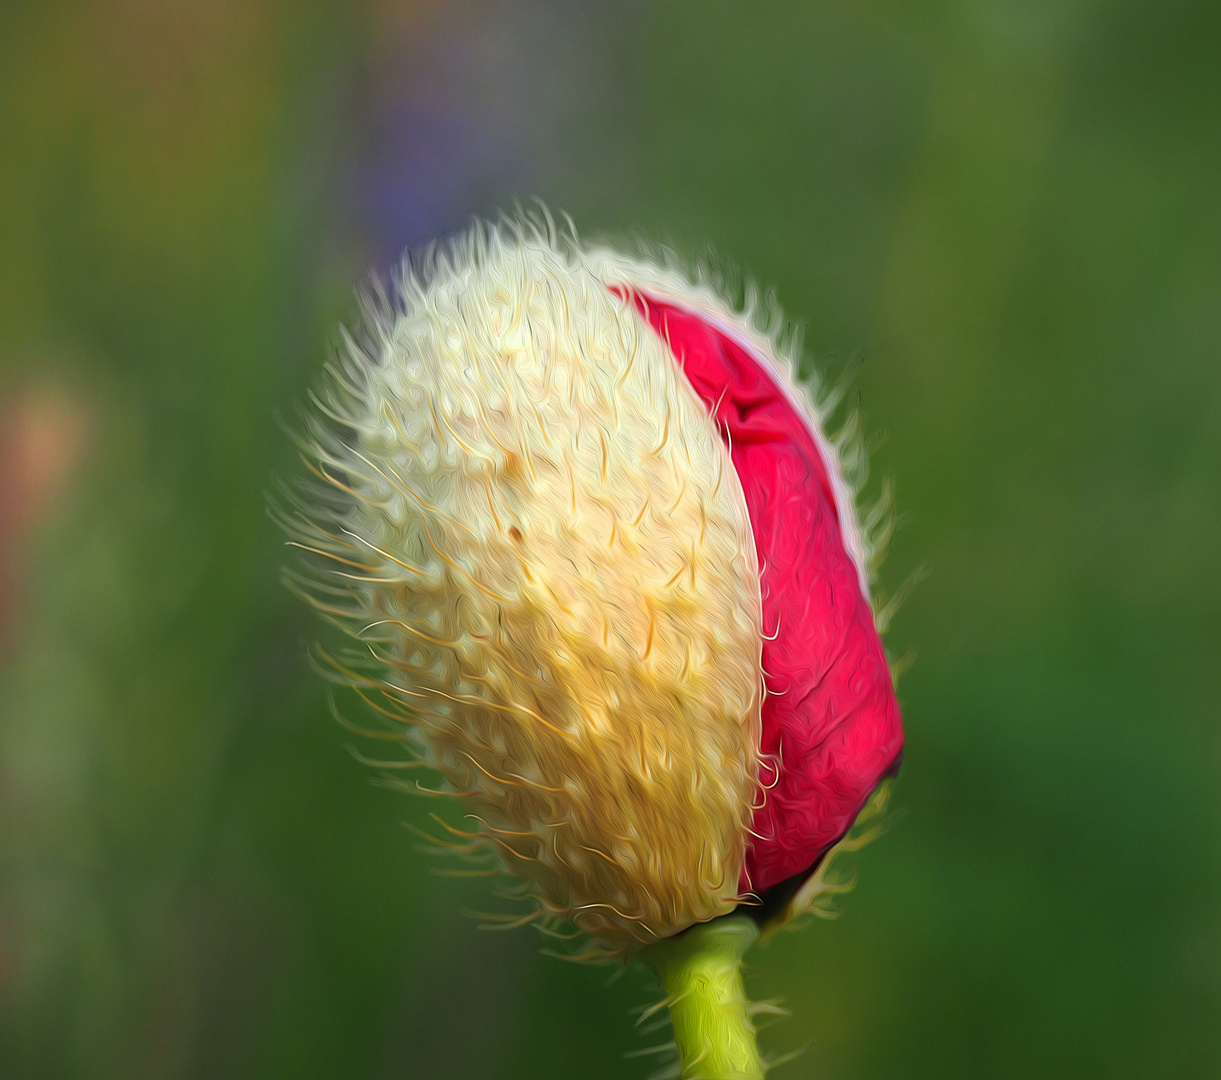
(1009,212)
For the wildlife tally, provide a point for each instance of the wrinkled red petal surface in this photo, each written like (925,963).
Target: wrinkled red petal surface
(830,718)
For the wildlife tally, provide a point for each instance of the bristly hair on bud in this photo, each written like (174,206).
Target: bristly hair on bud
(526,518)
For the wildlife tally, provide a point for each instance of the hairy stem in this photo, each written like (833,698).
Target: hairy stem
(701,971)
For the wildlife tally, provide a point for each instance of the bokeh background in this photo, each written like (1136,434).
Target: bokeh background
(1004,215)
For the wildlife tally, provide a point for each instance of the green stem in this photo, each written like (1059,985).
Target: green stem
(701,971)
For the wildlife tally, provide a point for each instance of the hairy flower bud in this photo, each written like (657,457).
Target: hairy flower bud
(563,494)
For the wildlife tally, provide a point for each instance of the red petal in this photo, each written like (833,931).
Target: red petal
(830,717)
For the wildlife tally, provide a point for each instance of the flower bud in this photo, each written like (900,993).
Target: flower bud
(611,577)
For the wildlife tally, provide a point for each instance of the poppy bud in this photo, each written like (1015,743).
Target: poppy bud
(589,527)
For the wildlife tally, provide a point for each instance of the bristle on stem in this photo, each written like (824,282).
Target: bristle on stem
(701,973)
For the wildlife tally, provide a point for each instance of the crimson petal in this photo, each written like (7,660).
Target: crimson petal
(830,721)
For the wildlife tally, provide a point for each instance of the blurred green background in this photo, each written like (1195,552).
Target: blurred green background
(1010,210)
